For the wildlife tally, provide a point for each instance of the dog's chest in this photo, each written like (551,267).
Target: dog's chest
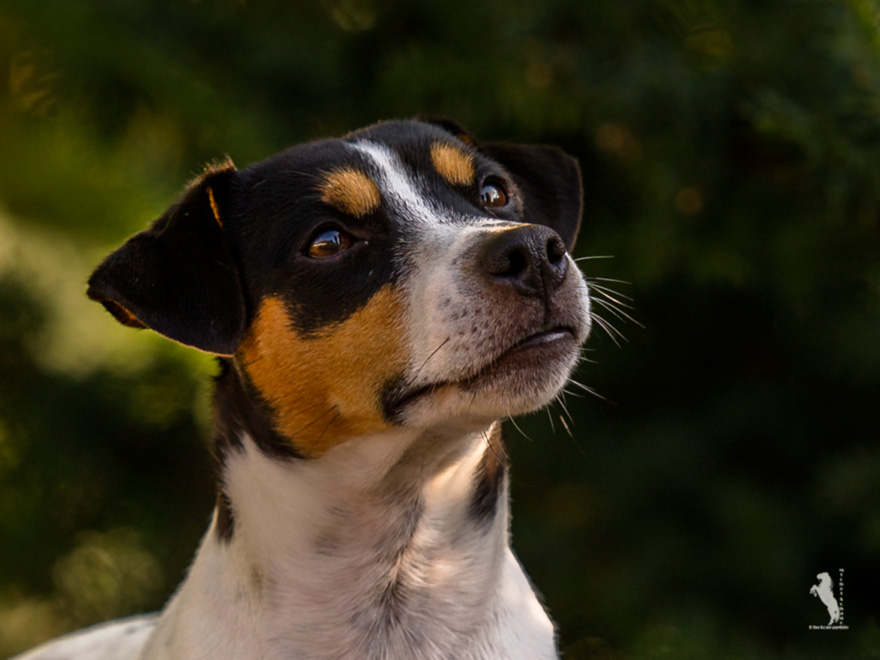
(313,572)
(353,599)
(373,577)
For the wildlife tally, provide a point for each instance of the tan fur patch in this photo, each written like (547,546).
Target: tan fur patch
(453,164)
(214,208)
(325,389)
(351,191)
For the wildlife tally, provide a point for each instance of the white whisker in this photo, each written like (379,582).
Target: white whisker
(598,256)
(516,426)
(612,332)
(561,399)
(567,430)
(590,390)
(594,278)
(616,311)
(607,292)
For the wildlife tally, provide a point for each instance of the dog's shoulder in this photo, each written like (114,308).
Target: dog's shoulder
(116,640)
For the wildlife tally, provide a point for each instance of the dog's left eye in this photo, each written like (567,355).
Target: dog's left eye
(329,243)
(493,195)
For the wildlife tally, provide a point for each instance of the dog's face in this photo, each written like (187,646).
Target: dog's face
(400,276)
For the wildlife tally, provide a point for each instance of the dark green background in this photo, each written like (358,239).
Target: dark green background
(731,157)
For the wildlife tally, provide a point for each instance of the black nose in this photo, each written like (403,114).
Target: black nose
(530,258)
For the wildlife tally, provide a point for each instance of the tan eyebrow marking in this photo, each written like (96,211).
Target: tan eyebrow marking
(453,164)
(350,191)
(214,207)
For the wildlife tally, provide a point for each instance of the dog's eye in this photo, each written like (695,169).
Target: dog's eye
(329,243)
(493,195)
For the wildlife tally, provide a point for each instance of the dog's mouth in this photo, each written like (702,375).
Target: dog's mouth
(537,351)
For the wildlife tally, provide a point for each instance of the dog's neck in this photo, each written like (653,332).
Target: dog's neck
(388,546)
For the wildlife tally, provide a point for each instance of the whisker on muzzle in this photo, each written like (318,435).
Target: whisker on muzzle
(550,417)
(590,390)
(560,399)
(491,447)
(433,353)
(591,257)
(326,428)
(517,427)
(613,333)
(323,414)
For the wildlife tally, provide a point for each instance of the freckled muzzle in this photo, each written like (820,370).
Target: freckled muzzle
(503,324)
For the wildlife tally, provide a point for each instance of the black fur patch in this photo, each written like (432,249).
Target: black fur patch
(238,408)
(238,411)
(225,517)
(489,479)
(394,397)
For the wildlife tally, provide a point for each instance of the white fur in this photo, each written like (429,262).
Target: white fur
(108,641)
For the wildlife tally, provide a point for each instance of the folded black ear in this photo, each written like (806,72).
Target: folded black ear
(179,277)
(549,179)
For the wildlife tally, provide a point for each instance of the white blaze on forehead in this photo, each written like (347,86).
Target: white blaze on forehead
(401,189)
(397,186)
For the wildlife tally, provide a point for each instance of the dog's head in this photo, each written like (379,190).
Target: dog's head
(403,275)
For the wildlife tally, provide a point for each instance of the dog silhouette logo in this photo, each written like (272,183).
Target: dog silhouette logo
(824,591)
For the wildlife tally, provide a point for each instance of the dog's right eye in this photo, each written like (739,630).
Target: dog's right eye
(329,243)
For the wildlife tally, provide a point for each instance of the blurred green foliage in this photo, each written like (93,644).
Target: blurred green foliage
(731,155)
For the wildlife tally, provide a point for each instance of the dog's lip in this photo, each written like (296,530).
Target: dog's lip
(538,338)
(529,342)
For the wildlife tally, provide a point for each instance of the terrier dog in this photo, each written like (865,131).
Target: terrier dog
(377,302)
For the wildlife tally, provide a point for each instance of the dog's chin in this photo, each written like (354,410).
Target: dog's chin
(523,379)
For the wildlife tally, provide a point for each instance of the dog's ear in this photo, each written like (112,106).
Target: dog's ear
(550,181)
(179,277)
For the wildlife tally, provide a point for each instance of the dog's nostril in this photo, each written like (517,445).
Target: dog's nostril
(555,250)
(516,263)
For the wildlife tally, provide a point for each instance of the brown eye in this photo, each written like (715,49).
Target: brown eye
(329,243)
(493,195)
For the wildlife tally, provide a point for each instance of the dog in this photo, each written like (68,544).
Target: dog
(377,304)
(825,591)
